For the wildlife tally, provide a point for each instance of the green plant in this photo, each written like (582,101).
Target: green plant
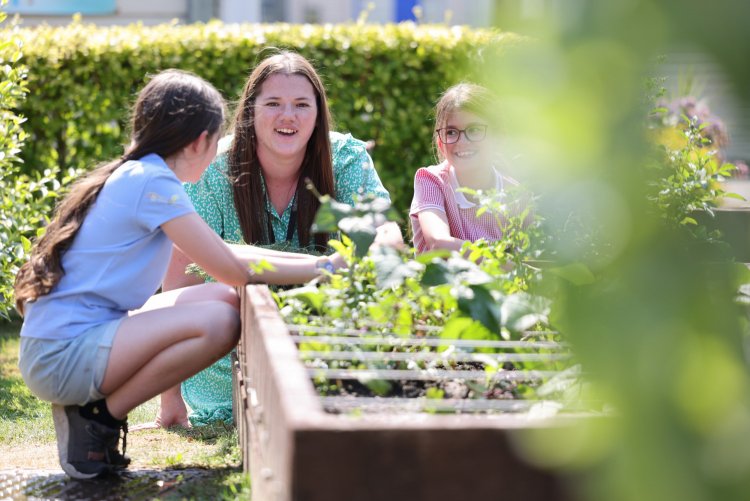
(25,198)
(13,89)
(478,294)
(28,195)
(687,174)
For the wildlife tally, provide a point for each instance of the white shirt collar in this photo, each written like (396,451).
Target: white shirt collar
(461,200)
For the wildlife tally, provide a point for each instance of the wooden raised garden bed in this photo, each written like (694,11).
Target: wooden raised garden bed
(299,445)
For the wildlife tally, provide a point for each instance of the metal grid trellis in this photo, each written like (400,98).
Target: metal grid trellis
(340,357)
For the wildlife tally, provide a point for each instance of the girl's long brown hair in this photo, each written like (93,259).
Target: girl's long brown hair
(244,165)
(171,111)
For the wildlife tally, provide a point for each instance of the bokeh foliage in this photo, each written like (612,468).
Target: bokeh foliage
(659,332)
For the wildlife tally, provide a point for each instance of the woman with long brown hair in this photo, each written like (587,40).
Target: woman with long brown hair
(96,341)
(254,192)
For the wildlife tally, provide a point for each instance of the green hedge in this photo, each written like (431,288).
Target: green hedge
(383,81)
(13,190)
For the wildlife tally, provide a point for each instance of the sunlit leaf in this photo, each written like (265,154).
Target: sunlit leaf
(576,273)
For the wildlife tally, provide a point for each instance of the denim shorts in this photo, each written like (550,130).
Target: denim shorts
(68,371)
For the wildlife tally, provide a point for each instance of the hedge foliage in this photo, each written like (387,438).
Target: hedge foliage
(382,80)
(12,136)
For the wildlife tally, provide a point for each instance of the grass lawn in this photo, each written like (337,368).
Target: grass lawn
(27,436)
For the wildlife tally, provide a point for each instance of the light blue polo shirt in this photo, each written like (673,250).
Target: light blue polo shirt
(118,257)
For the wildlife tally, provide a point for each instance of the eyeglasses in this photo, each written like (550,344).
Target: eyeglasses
(473,133)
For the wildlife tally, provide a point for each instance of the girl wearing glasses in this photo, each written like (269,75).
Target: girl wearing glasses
(442,217)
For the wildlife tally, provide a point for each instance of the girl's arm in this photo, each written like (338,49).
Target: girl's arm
(201,245)
(253,252)
(176,277)
(436,232)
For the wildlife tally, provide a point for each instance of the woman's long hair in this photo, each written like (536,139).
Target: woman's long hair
(171,111)
(244,165)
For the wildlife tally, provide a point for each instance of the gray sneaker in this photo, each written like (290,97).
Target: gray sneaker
(87,449)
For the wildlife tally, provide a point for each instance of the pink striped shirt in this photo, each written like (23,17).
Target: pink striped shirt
(435,187)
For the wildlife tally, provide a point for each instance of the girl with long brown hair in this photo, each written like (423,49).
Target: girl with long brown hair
(96,341)
(255,192)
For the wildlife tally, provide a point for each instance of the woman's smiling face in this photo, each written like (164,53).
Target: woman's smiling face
(285,115)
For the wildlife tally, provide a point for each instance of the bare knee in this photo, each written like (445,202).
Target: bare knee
(208,292)
(224,293)
(222,327)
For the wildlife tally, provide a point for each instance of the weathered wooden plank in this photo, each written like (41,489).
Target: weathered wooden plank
(298,452)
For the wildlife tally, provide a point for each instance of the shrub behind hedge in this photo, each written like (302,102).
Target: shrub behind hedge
(382,80)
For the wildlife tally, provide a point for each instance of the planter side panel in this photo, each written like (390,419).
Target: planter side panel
(266,443)
(417,465)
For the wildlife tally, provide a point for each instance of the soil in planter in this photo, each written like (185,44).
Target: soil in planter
(442,389)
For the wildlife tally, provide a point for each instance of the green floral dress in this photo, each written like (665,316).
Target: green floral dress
(209,393)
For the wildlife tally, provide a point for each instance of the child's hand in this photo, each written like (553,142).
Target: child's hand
(337,260)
